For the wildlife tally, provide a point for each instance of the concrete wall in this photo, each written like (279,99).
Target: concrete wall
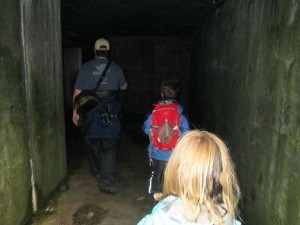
(245,77)
(32,118)
(15,195)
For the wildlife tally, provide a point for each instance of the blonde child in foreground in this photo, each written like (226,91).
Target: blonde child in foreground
(200,185)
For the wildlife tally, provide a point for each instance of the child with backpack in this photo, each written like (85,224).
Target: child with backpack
(164,126)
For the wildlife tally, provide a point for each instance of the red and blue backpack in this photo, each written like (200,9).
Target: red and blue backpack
(165,126)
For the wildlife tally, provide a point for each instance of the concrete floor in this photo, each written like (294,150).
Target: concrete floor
(80,202)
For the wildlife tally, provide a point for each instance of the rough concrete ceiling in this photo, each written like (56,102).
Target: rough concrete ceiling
(88,19)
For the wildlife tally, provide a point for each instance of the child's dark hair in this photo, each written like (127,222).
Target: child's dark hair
(170,89)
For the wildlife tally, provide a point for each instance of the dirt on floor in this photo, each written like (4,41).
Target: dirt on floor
(79,201)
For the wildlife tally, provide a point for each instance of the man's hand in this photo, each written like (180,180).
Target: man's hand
(75,115)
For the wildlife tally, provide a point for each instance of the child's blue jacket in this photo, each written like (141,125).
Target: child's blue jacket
(155,153)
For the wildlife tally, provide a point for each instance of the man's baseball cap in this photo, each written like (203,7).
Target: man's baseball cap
(102,44)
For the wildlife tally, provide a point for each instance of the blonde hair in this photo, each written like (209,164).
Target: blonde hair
(202,174)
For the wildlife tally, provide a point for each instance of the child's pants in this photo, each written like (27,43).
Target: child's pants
(157,176)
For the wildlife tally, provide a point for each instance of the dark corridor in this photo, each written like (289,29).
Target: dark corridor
(238,64)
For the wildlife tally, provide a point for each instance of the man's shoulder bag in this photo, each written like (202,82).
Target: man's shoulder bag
(87,100)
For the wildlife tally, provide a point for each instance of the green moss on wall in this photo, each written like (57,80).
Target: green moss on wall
(14,161)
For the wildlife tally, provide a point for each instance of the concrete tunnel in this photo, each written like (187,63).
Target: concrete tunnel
(237,61)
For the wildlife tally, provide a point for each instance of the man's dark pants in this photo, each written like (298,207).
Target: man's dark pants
(102,153)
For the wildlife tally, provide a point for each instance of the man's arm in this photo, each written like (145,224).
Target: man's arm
(74,118)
